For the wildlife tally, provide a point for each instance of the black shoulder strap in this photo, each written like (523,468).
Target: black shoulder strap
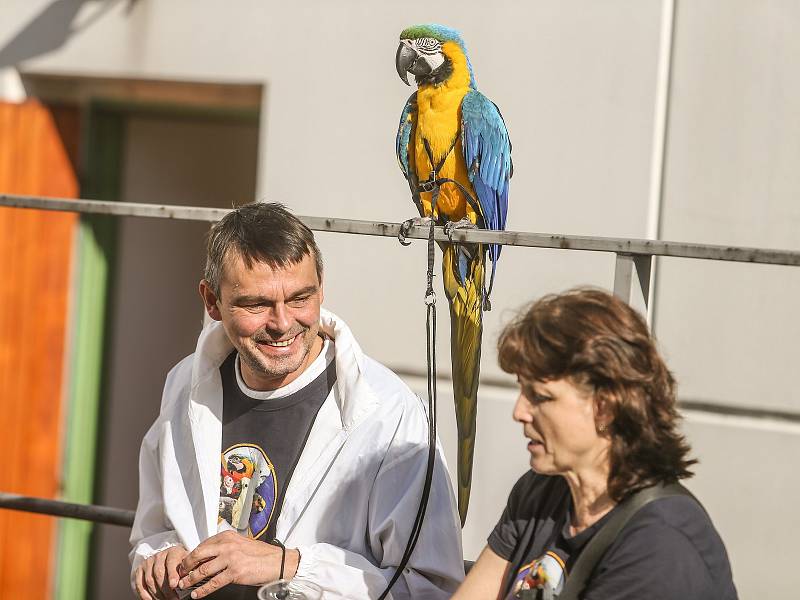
(597,546)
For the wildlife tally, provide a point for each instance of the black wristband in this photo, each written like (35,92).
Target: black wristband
(278,543)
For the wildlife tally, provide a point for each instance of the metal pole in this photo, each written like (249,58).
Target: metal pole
(631,246)
(660,142)
(71,510)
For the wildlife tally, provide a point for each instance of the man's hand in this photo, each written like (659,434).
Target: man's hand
(157,577)
(232,558)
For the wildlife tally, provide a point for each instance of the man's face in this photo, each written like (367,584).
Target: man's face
(271,317)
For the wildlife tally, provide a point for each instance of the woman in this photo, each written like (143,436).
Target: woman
(597,405)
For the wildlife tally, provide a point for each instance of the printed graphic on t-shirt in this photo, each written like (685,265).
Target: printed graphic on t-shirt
(542,579)
(247,489)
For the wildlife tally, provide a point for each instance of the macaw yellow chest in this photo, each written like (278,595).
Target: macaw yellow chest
(439,123)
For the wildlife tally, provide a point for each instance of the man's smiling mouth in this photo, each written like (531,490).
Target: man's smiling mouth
(277,344)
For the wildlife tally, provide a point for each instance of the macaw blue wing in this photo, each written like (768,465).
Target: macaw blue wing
(487,152)
(404,131)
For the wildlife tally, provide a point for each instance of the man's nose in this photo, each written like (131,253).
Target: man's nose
(279,320)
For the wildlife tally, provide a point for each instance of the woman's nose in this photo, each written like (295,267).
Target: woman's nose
(521,413)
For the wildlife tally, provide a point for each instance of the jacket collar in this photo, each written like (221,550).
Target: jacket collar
(355,397)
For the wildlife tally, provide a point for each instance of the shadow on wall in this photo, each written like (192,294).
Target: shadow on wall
(51,28)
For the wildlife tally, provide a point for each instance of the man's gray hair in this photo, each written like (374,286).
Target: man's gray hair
(259,232)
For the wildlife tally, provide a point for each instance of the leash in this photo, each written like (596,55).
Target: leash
(430,328)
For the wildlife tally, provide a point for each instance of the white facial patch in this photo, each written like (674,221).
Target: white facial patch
(429,50)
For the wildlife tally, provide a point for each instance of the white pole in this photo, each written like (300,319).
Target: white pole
(660,122)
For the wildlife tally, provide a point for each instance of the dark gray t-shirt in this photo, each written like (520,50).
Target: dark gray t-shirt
(669,550)
(263,434)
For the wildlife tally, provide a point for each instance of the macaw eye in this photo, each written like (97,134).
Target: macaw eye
(428,45)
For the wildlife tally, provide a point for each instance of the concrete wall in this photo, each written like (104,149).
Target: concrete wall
(576,82)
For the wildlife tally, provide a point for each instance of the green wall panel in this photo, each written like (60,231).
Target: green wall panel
(93,281)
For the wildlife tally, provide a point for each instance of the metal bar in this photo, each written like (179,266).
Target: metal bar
(633,290)
(643,265)
(661,138)
(631,246)
(71,510)
(623,276)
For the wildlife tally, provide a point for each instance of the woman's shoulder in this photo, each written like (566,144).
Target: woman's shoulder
(683,516)
(534,494)
(671,545)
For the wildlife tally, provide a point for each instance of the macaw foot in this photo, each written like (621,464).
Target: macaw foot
(406,226)
(451,226)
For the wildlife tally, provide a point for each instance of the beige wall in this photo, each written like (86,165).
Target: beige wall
(576,82)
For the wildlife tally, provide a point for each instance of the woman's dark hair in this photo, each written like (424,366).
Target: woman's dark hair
(603,346)
(260,231)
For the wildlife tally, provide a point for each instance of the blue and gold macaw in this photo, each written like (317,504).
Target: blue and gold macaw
(454,151)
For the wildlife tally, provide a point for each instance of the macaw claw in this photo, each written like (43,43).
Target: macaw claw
(452,226)
(406,226)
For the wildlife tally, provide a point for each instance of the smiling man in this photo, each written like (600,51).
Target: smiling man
(281,450)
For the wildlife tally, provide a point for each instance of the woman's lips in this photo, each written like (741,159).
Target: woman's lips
(532,444)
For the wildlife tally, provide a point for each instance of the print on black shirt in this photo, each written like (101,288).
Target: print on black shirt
(249,489)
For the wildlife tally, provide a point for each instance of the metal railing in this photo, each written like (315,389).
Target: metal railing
(71,510)
(633,264)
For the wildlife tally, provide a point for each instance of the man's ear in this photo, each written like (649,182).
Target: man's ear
(209,300)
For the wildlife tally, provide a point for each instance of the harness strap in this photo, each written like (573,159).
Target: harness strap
(438,167)
(591,555)
(433,185)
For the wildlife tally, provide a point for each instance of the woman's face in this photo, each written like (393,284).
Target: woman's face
(560,422)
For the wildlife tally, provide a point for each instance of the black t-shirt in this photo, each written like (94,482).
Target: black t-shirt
(669,550)
(263,434)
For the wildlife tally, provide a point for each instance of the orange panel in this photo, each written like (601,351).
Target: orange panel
(35,248)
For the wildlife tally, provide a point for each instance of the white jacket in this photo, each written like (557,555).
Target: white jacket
(355,491)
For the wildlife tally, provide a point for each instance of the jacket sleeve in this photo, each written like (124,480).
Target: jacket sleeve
(436,566)
(151,533)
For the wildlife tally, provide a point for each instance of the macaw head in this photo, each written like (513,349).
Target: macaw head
(432,54)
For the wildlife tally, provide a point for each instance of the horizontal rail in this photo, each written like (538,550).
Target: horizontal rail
(695,404)
(630,246)
(58,508)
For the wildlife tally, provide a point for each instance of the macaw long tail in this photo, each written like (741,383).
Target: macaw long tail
(463,278)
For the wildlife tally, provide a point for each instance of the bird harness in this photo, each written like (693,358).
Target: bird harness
(434,182)
(433,186)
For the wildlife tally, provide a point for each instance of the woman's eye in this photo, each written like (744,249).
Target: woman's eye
(536,398)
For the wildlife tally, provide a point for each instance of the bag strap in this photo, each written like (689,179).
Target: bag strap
(593,552)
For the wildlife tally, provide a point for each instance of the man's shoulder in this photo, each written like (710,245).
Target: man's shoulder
(390,390)
(178,381)
(181,372)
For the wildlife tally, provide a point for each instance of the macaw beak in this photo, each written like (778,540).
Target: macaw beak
(407,61)
(404,60)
